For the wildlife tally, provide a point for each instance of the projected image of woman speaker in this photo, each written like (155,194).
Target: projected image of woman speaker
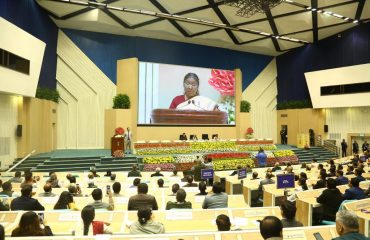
(191,100)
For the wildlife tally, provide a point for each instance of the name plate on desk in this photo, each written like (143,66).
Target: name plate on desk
(256,213)
(294,235)
(70,217)
(179,215)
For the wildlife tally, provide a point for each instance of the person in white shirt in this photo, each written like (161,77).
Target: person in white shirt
(128,138)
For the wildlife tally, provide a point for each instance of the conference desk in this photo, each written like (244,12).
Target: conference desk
(304,233)
(181,220)
(364,218)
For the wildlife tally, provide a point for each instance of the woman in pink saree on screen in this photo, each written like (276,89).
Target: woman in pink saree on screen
(191,100)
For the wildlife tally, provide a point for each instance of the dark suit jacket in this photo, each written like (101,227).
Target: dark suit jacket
(319,184)
(331,200)
(134,174)
(354,193)
(191,185)
(157,175)
(341,180)
(142,200)
(26,203)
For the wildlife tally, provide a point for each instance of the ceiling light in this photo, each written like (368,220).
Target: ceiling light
(314,9)
(247,8)
(356,21)
(289,1)
(346,19)
(337,15)
(320,11)
(308,8)
(327,13)
(79,2)
(115,8)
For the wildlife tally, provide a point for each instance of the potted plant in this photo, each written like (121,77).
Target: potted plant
(245,106)
(121,101)
(249,133)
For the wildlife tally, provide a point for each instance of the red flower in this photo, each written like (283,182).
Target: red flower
(250,130)
(119,131)
(223,81)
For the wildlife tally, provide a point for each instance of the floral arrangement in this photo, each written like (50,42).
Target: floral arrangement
(161,151)
(119,131)
(249,133)
(284,156)
(158,160)
(187,158)
(213,146)
(269,162)
(184,166)
(162,166)
(161,145)
(231,163)
(118,154)
(244,148)
(254,142)
(229,155)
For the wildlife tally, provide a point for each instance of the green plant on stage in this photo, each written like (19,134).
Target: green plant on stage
(48,94)
(121,101)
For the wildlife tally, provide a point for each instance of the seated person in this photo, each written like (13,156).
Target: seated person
(117,189)
(190,183)
(217,199)
(96,175)
(75,190)
(354,192)
(271,228)
(350,170)
(347,226)
(202,188)
(47,191)
(30,225)
(142,199)
(321,183)
(302,186)
(108,174)
(97,195)
(276,167)
(255,176)
(91,227)
(53,180)
(330,198)
(174,173)
(174,189)
(288,211)
(146,223)
(135,183)
(223,222)
(341,180)
(358,174)
(7,190)
(160,183)
(180,201)
(265,181)
(236,171)
(26,202)
(191,100)
(17,178)
(183,137)
(157,173)
(90,181)
(113,177)
(65,201)
(134,172)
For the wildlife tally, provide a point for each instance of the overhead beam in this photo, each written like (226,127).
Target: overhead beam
(315,32)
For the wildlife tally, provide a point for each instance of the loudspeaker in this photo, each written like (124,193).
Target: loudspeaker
(326,128)
(19,131)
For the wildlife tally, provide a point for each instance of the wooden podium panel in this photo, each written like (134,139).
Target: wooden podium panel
(117,143)
(175,116)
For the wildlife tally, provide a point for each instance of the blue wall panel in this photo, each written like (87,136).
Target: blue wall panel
(105,49)
(27,15)
(352,48)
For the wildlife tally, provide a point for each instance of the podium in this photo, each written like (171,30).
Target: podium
(175,116)
(116,143)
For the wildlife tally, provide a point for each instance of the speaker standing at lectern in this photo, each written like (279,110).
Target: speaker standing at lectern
(128,137)
(191,100)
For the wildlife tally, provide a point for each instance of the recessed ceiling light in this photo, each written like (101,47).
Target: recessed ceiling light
(314,9)
(346,19)
(356,21)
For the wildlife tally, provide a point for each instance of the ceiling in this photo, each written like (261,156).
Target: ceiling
(291,24)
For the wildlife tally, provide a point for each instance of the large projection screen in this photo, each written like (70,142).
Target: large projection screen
(164,87)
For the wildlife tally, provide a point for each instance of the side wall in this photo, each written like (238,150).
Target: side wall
(8,120)
(262,94)
(85,93)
